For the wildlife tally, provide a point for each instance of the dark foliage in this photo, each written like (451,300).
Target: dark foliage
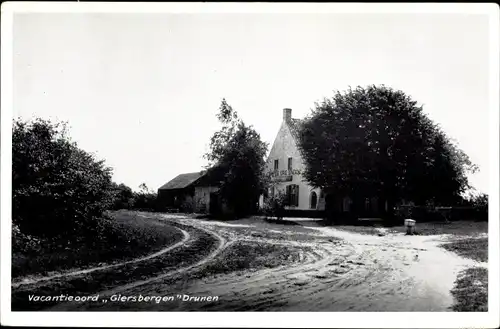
(238,152)
(57,189)
(274,206)
(145,199)
(376,141)
(124,197)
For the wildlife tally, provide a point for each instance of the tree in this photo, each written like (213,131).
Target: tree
(237,156)
(57,188)
(124,197)
(376,141)
(146,199)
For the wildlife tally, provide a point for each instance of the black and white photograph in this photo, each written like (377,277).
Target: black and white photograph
(250,157)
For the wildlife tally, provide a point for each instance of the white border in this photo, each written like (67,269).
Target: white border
(233,319)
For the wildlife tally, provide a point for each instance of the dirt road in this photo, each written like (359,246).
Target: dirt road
(334,271)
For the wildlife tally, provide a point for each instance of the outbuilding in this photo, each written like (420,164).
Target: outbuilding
(190,192)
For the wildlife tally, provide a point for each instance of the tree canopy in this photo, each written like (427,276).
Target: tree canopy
(237,155)
(57,188)
(376,141)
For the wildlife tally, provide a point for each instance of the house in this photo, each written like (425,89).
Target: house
(198,192)
(285,165)
(188,192)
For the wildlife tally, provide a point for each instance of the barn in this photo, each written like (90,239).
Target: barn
(190,192)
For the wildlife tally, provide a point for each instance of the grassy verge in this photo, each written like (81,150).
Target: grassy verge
(94,282)
(125,236)
(459,228)
(471,287)
(248,255)
(471,290)
(476,249)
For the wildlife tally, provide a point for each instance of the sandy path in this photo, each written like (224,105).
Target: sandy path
(360,273)
(25,281)
(222,244)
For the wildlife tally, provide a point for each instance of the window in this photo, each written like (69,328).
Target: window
(276,164)
(292,194)
(289,163)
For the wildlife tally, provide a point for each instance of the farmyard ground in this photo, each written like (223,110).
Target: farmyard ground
(253,265)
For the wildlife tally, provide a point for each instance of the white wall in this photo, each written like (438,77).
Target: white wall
(285,147)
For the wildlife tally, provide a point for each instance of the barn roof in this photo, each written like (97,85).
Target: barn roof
(182,181)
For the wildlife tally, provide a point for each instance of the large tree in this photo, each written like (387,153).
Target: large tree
(237,156)
(58,189)
(376,141)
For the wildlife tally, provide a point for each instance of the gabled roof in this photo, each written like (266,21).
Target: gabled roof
(182,181)
(294,125)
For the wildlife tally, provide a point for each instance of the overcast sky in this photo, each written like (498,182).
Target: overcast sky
(142,90)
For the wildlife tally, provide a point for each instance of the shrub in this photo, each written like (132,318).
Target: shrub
(274,206)
(124,197)
(145,201)
(480,203)
(57,188)
(23,243)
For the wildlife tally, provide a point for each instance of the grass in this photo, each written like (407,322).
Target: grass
(125,236)
(476,249)
(248,255)
(471,290)
(471,287)
(280,222)
(458,228)
(97,281)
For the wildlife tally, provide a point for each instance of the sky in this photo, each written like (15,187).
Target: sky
(141,91)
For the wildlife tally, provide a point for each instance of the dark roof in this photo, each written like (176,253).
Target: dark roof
(182,181)
(294,125)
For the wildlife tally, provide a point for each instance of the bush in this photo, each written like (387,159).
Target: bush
(432,214)
(23,243)
(480,203)
(57,188)
(124,197)
(145,201)
(274,206)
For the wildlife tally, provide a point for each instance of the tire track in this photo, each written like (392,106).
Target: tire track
(220,247)
(186,237)
(361,273)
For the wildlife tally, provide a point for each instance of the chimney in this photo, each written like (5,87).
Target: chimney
(287,115)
